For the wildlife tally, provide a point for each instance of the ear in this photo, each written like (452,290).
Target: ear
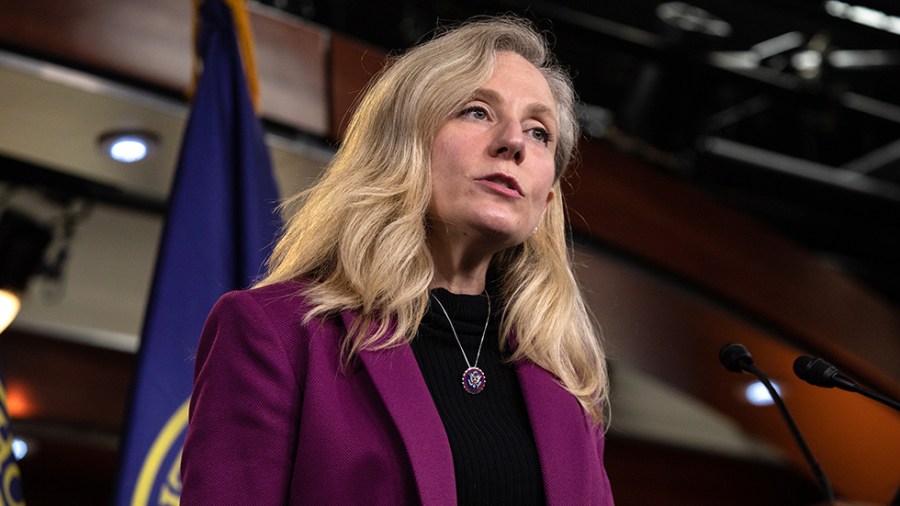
(550,196)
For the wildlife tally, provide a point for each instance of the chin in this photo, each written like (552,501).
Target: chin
(504,237)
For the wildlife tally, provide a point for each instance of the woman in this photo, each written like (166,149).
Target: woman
(419,338)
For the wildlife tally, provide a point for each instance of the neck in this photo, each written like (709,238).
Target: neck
(460,284)
(457,268)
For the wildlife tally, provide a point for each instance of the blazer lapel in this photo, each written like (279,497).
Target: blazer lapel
(400,384)
(561,434)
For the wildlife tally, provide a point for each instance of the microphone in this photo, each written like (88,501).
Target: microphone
(818,372)
(736,358)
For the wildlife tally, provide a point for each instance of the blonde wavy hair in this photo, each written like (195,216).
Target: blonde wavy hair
(358,237)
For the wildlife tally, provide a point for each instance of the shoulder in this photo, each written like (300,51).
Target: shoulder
(276,314)
(269,297)
(276,305)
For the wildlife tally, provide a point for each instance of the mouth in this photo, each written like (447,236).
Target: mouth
(503,181)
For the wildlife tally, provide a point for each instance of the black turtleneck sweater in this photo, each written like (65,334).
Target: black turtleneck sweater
(494,457)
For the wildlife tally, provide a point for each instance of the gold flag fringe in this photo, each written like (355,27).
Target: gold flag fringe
(241,19)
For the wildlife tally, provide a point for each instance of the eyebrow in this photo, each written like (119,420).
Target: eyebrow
(536,108)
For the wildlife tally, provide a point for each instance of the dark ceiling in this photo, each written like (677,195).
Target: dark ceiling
(785,109)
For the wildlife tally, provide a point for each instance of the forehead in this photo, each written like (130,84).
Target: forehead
(516,79)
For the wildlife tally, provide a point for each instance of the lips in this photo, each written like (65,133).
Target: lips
(502,183)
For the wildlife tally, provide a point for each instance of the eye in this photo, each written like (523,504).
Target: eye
(542,135)
(475,111)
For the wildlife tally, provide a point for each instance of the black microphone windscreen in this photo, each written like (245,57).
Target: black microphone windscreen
(801,366)
(815,371)
(735,357)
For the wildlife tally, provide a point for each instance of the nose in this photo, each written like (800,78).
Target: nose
(509,142)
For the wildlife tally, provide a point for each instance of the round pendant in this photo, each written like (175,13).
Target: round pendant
(473,380)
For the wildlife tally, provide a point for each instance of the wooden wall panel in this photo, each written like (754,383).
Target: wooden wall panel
(644,474)
(291,57)
(674,334)
(68,401)
(60,382)
(149,41)
(621,201)
(353,64)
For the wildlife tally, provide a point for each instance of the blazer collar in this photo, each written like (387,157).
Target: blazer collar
(560,426)
(400,384)
(562,436)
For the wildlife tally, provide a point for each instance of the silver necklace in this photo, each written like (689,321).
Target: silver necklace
(473,379)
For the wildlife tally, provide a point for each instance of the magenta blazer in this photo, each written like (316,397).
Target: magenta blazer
(274,421)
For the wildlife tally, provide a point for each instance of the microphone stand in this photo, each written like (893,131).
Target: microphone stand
(736,358)
(818,372)
(813,464)
(887,401)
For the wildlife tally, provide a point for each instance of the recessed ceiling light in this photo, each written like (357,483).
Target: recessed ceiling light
(128,147)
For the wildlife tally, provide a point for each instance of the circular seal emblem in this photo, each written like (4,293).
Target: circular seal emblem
(159,482)
(473,380)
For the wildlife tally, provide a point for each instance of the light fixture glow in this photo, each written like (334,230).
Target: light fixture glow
(19,402)
(757,394)
(9,308)
(19,448)
(692,19)
(128,147)
(863,15)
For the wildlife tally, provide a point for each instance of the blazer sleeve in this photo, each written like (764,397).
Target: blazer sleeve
(604,492)
(244,410)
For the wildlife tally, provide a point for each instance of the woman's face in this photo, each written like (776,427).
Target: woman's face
(492,161)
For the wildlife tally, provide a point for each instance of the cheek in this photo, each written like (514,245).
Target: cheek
(541,202)
(443,162)
(546,193)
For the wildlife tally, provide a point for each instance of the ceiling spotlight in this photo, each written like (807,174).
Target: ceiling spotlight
(128,147)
